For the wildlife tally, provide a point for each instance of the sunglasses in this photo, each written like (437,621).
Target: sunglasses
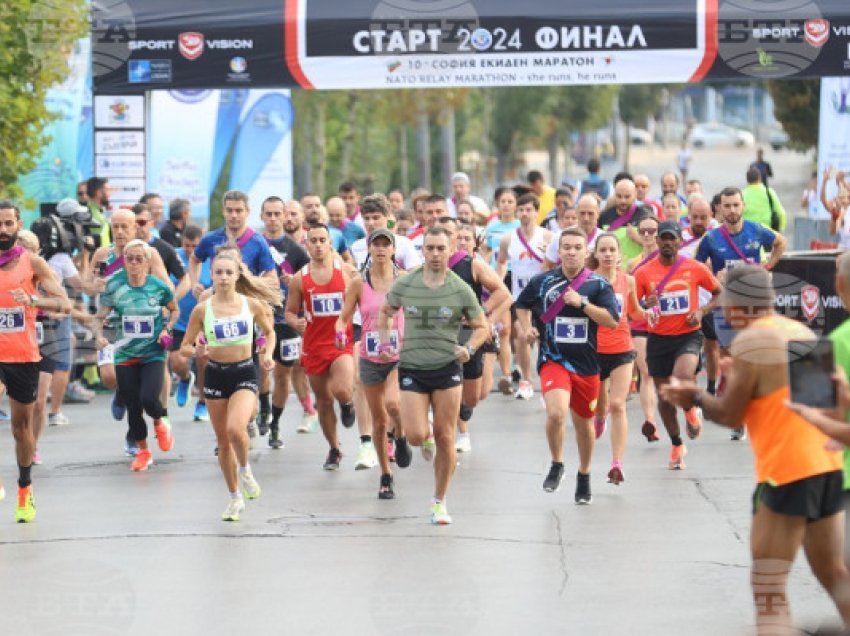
(141,222)
(134,258)
(648,231)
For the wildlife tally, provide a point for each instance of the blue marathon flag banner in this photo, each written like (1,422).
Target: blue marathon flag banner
(140,45)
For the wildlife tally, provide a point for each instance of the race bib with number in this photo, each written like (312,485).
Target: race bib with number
(39,333)
(570,330)
(327,304)
(619,298)
(230,329)
(12,320)
(137,326)
(373,341)
(106,355)
(290,350)
(674,303)
(733,263)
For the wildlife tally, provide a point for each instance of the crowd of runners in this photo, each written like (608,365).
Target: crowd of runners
(395,312)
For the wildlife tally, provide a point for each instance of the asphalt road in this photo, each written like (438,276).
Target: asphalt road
(114,552)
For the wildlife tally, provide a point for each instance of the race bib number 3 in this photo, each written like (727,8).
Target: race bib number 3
(327,304)
(230,330)
(674,303)
(373,341)
(137,326)
(290,350)
(11,320)
(570,330)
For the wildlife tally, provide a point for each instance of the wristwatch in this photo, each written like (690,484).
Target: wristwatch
(33,300)
(584,303)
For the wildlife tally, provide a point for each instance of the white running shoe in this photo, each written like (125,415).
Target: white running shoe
(367,457)
(234,508)
(57,419)
(462,443)
(309,423)
(525,390)
(250,487)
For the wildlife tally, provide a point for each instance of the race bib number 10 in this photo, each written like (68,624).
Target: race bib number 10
(327,304)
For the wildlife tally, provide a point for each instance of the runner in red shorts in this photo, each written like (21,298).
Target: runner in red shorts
(318,292)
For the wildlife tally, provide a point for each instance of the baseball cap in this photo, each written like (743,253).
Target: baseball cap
(460,176)
(382,231)
(67,208)
(669,227)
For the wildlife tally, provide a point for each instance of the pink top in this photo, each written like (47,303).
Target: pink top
(370,308)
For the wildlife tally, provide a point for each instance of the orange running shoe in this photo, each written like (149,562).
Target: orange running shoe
(693,416)
(142,460)
(162,429)
(677,457)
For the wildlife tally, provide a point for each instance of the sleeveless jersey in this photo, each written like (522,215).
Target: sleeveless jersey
(322,305)
(18,340)
(370,308)
(619,339)
(522,264)
(223,331)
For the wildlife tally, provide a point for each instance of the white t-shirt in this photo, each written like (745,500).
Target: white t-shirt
(63,265)
(406,254)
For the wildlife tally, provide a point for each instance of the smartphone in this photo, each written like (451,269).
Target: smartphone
(101,268)
(810,369)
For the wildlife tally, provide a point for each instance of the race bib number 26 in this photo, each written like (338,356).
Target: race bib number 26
(11,320)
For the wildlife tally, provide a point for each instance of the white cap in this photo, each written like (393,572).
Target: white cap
(69,207)
(460,176)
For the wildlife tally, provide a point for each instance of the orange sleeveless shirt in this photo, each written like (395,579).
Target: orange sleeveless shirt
(619,339)
(18,342)
(786,447)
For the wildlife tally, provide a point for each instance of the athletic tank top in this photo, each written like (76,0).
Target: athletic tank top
(619,339)
(322,306)
(463,268)
(18,340)
(370,308)
(225,331)
(786,447)
(523,265)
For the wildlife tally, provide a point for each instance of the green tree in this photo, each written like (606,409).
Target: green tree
(36,37)
(637,102)
(797,108)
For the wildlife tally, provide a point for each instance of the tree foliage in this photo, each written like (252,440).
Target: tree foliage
(36,38)
(797,108)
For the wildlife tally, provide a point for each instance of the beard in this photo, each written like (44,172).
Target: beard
(8,242)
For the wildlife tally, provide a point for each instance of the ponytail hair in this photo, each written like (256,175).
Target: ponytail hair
(248,284)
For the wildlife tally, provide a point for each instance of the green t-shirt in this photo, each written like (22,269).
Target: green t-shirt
(138,317)
(840,337)
(431,318)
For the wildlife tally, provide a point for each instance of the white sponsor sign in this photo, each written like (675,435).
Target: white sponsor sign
(126,190)
(833,149)
(119,111)
(120,166)
(119,143)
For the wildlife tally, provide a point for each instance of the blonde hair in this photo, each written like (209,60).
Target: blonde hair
(29,241)
(138,243)
(248,284)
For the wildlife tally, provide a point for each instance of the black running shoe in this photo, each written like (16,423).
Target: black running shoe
(263,420)
(386,489)
(403,454)
(583,496)
(346,412)
(332,462)
(553,479)
(274,439)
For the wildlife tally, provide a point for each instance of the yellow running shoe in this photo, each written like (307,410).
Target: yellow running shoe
(25,511)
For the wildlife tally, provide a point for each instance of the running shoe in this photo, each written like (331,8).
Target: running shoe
(201,414)
(162,430)
(599,425)
(25,510)
(82,390)
(525,390)
(73,395)
(346,412)
(505,385)
(583,496)
(367,457)
(142,460)
(131,448)
(184,388)
(4,416)
(615,475)
(250,487)
(554,478)
(649,431)
(440,514)
(390,449)
(463,443)
(677,457)
(233,510)
(274,439)
(36,458)
(403,454)
(309,423)
(693,417)
(738,434)
(516,376)
(263,420)
(252,429)
(332,462)
(118,409)
(429,448)
(385,491)
(57,419)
